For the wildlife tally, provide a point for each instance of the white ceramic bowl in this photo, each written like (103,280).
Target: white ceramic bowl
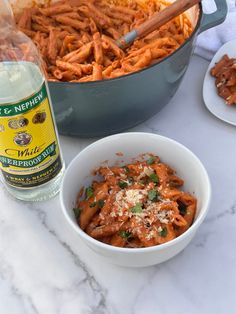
(187,165)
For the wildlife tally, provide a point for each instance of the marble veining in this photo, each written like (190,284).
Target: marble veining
(46,269)
(47,250)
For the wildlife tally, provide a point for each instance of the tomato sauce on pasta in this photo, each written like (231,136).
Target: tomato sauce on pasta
(76,38)
(224,72)
(136,205)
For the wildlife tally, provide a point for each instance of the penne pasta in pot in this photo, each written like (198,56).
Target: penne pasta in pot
(84,32)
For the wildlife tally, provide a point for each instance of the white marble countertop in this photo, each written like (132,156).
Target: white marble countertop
(46,269)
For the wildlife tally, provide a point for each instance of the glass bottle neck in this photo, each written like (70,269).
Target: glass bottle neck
(6,14)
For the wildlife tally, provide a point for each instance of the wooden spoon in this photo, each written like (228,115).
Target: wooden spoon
(157,20)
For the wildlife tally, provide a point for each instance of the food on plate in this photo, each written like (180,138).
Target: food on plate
(225,73)
(77,38)
(136,205)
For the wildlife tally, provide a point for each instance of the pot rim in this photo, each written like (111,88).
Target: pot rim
(141,70)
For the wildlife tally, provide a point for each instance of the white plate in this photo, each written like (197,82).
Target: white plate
(214,103)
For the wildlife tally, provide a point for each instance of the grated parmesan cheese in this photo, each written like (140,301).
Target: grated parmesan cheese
(150,235)
(135,196)
(147,171)
(164,216)
(123,176)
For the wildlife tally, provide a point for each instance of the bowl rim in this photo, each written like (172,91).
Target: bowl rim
(160,247)
(194,32)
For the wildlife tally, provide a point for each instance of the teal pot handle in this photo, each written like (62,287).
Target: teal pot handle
(213,19)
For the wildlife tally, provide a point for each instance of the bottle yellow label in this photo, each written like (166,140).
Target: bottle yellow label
(29,151)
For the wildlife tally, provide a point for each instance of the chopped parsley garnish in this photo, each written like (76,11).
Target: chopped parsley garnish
(122,184)
(151,160)
(137,208)
(153,195)
(100,204)
(141,182)
(126,169)
(182,208)
(163,232)
(154,178)
(93,204)
(77,212)
(89,192)
(125,234)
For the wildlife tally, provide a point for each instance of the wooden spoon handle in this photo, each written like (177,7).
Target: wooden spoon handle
(158,19)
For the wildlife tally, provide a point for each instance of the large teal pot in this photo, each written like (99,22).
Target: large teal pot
(105,107)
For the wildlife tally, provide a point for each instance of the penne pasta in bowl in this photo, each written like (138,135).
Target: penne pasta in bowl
(130,201)
(95,86)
